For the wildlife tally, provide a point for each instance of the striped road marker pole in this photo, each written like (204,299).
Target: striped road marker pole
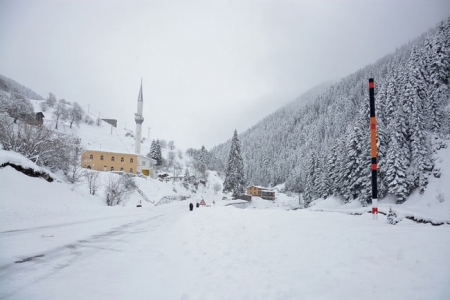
(373,146)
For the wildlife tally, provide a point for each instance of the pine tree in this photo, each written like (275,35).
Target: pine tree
(415,96)
(361,182)
(309,193)
(155,152)
(158,153)
(187,176)
(202,161)
(396,166)
(382,146)
(438,64)
(234,178)
(152,152)
(336,171)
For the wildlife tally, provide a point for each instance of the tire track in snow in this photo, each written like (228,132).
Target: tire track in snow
(40,266)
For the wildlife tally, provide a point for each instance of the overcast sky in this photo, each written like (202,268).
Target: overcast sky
(208,67)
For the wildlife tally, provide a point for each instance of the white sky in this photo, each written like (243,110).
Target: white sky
(208,67)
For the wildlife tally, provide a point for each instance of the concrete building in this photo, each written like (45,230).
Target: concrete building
(115,161)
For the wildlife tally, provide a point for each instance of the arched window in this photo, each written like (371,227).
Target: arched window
(101,157)
(91,156)
(112,168)
(122,159)
(131,170)
(131,160)
(112,158)
(89,167)
(121,169)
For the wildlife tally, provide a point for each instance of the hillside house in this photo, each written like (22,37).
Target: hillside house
(108,161)
(262,192)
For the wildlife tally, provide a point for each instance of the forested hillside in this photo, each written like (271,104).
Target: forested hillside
(323,148)
(11,86)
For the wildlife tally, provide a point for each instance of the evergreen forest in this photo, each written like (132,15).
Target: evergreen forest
(321,147)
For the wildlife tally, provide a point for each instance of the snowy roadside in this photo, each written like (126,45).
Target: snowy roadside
(432,206)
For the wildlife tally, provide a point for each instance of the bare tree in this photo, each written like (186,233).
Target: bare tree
(118,188)
(38,143)
(73,172)
(93,181)
(171,145)
(60,112)
(75,114)
(16,106)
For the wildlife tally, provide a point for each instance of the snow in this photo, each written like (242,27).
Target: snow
(17,159)
(59,242)
(433,205)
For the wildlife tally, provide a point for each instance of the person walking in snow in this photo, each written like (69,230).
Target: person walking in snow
(191,206)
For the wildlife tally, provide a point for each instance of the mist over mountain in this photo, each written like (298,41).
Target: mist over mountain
(9,85)
(322,148)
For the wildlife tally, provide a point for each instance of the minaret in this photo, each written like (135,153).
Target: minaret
(139,119)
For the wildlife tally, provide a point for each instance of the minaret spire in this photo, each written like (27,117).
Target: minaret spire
(139,120)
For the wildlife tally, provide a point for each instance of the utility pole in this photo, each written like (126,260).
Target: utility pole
(373,146)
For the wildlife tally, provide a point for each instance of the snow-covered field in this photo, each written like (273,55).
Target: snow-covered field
(59,242)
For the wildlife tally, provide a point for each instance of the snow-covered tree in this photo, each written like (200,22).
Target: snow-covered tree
(73,171)
(234,177)
(75,114)
(309,193)
(187,176)
(93,181)
(60,112)
(155,152)
(118,188)
(396,167)
(17,106)
(38,143)
(412,98)
(202,161)
(51,100)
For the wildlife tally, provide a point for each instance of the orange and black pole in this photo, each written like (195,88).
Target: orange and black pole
(373,146)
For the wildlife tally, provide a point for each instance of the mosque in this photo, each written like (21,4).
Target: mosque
(131,163)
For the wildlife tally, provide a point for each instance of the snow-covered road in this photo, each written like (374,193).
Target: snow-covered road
(221,252)
(31,259)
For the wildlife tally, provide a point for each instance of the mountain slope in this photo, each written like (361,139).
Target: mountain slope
(9,85)
(323,148)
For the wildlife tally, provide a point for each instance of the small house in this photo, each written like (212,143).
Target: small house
(262,192)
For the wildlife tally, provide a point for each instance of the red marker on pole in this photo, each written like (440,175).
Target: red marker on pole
(373,146)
